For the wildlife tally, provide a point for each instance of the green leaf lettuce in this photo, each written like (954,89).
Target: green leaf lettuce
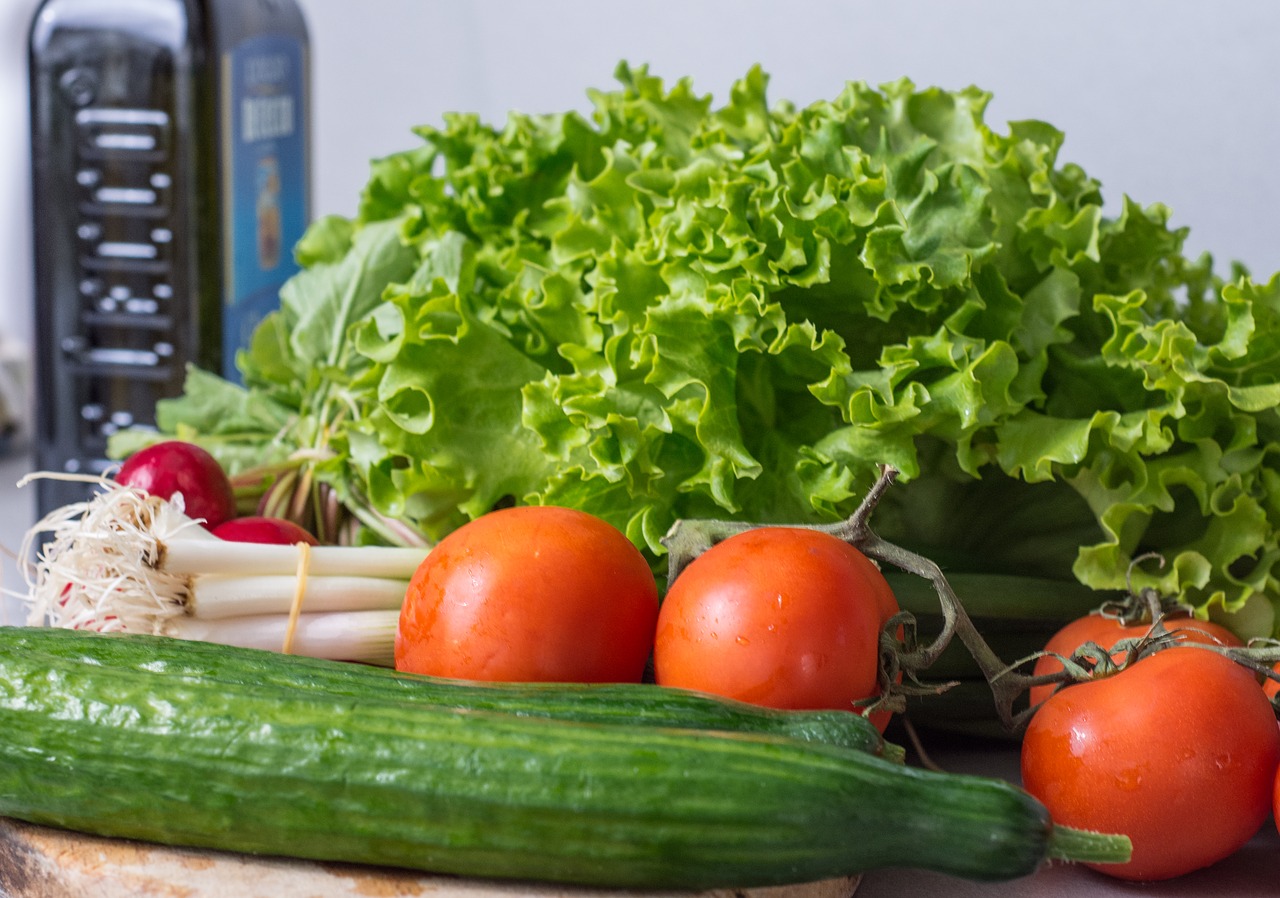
(670,309)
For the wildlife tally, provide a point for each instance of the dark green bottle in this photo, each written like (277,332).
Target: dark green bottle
(171,179)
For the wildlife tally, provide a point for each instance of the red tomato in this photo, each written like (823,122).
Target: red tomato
(1271,687)
(1107,631)
(174,466)
(1275,800)
(533,593)
(887,602)
(779,616)
(260,529)
(1179,752)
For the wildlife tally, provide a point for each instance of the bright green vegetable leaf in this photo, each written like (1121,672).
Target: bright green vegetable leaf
(670,309)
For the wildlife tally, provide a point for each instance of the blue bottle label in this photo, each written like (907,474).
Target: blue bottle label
(265,180)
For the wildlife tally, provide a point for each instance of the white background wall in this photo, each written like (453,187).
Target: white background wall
(1173,101)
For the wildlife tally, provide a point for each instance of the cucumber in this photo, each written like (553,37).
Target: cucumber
(118,749)
(1007,596)
(1012,641)
(636,704)
(1015,615)
(967,708)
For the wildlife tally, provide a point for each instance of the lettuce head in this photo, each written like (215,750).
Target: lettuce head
(669,308)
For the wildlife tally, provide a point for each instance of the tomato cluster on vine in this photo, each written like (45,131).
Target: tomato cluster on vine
(1177,747)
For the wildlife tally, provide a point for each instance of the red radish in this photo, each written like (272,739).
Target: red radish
(175,466)
(259,529)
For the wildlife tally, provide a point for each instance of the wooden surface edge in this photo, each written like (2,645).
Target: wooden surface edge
(43,862)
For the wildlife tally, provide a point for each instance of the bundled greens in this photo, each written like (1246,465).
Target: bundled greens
(670,309)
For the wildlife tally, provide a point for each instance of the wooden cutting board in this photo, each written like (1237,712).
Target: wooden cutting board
(40,862)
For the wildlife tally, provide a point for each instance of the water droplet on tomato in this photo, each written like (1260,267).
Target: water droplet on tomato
(1129,780)
(812,663)
(742,640)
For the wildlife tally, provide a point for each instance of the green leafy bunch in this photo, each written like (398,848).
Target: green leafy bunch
(668,309)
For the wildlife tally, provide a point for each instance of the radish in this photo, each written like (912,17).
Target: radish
(130,561)
(175,466)
(263,529)
(127,560)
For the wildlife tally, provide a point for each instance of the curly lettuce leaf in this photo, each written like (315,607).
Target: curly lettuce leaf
(668,308)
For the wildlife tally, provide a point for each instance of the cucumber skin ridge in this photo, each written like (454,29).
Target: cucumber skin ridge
(634,703)
(132,753)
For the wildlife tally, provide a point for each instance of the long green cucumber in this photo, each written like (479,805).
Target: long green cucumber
(636,704)
(966,708)
(1016,615)
(121,750)
(1011,640)
(1007,596)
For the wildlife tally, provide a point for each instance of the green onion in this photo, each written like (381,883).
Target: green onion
(127,562)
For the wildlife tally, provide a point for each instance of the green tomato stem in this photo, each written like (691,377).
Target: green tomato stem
(688,539)
(904,660)
(1085,847)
